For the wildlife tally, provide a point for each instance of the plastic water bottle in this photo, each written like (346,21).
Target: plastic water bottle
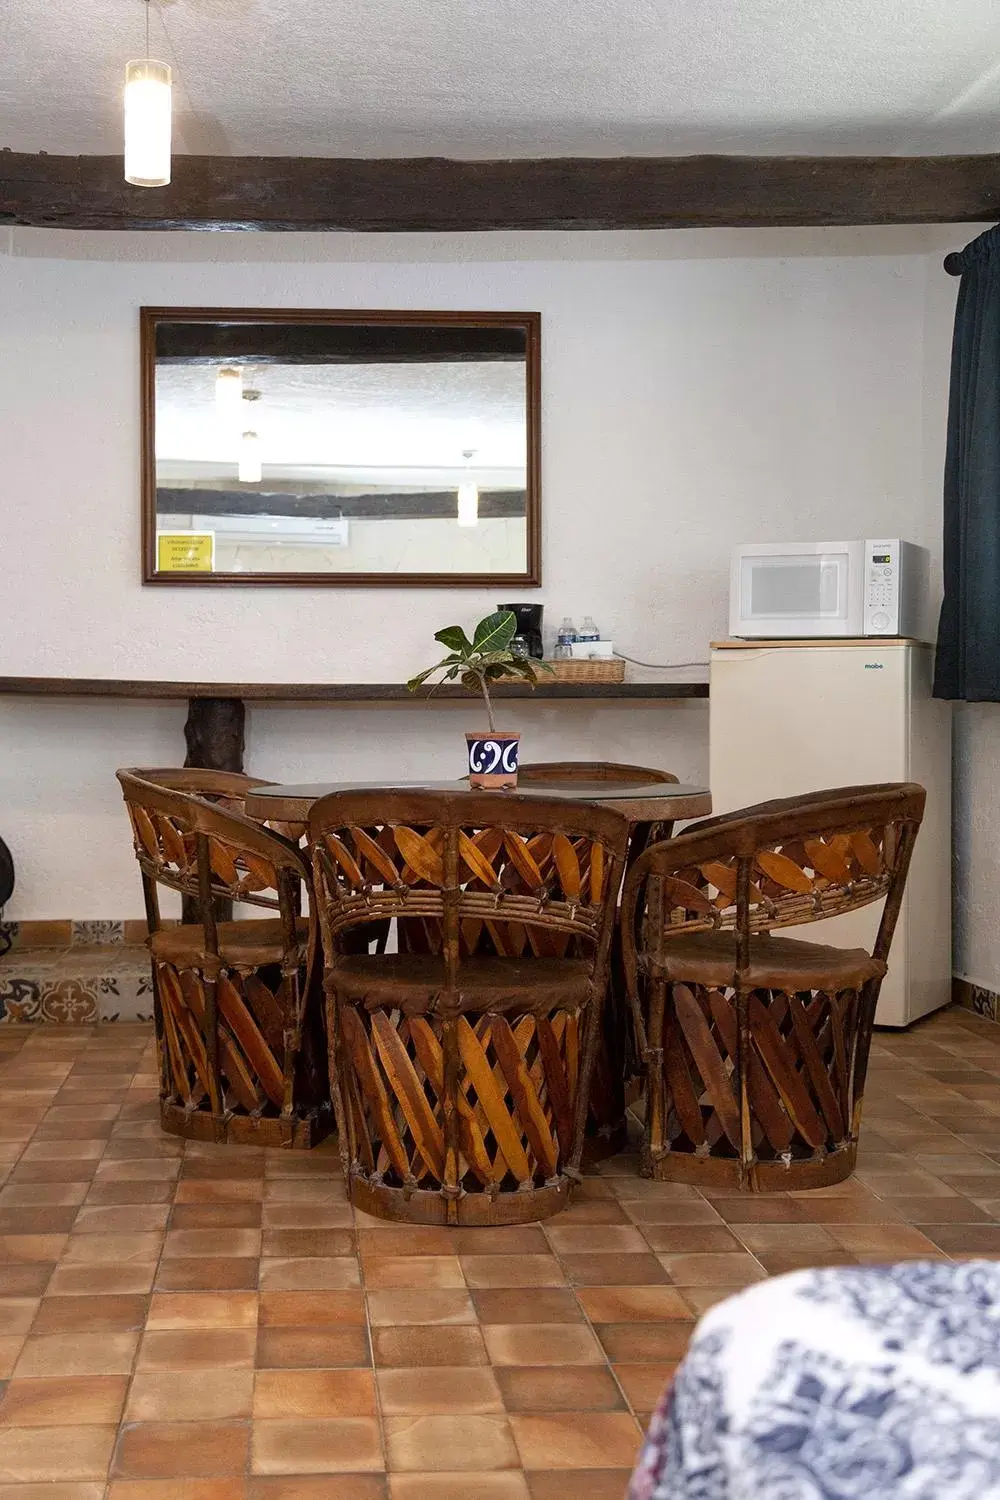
(564,639)
(588,630)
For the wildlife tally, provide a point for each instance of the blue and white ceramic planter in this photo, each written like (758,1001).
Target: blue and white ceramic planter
(492,760)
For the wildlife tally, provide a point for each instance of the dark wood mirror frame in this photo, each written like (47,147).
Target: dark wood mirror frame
(526,323)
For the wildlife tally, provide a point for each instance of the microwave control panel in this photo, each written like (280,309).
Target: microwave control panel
(882,587)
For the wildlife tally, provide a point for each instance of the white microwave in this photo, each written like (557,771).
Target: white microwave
(817,589)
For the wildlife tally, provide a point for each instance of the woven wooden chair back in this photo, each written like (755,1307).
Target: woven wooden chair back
(783,863)
(756,1048)
(591,772)
(462,1070)
(226,789)
(230,996)
(205,849)
(514,876)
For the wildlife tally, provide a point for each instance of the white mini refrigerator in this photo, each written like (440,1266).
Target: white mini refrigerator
(789,717)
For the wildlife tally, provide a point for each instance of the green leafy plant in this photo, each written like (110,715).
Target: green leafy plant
(484,660)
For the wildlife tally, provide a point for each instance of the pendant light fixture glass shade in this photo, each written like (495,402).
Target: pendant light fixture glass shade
(468,495)
(468,505)
(249,471)
(229,391)
(147,123)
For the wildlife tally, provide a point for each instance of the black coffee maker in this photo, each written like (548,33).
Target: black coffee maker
(529,626)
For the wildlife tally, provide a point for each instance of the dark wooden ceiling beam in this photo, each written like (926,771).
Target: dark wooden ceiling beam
(432,194)
(410,505)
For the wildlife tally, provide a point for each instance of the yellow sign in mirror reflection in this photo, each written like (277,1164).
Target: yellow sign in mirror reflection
(185,551)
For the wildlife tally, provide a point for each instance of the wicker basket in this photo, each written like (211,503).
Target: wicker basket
(589,669)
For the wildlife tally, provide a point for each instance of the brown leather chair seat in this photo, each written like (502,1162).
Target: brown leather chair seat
(776,963)
(413,982)
(250,944)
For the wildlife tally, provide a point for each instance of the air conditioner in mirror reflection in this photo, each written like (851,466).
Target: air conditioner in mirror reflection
(275,531)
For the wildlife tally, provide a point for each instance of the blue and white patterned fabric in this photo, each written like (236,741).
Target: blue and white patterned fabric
(853,1383)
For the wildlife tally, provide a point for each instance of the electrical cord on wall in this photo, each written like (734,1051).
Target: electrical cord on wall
(659,666)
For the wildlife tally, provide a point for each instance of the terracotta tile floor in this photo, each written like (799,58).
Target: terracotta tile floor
(194,1322)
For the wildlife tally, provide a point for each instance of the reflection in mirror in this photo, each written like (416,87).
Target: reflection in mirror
(341,447)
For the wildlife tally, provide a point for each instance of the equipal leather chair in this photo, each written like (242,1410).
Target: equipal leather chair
(241,1051)
(461,1071)
(756,1046)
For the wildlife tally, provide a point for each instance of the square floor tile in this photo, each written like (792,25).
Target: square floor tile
(76,1354)
(33,1454)
(568,1440)
(579,1484)
(166,1450)
(512,1270)
(310,1274)
(197,1349)
(68,1401)
(412,1271)
(541,1344)
(607,1269)
(643,1385)
(176,1489)
(541,1388)
(221,1273)
(331,1347)
(449,1390)
(527,1305)
(645,1343)
(356,1486)
(71,1279)
(310,1394)
(453,1442)
(506,1484)
(309,1309)
(202,1310)
(398,1308)
(713,1270)
(429,1345)
(179,1396)
(317,1447)
(17,1314)
(116,1314)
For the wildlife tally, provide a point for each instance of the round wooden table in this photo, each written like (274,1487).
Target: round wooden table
(666,802)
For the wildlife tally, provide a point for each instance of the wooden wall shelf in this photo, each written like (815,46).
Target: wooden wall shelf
(214,731)
(332,692)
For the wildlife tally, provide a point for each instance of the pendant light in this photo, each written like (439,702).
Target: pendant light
(468,496)
(248,469)
(229,391)
(147,120)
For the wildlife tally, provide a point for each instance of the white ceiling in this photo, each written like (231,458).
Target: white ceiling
(513,77)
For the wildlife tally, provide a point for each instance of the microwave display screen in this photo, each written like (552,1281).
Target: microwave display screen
(882,557)
(801,588)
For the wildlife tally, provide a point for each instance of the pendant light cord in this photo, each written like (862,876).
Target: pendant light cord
(147,29)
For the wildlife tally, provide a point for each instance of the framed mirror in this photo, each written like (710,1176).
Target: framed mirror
(340,448)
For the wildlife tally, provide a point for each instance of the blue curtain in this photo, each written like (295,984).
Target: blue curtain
(968,649)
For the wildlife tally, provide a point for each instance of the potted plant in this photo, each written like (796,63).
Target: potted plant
(479,663)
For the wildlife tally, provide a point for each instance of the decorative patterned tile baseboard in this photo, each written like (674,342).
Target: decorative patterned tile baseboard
(976,997)
(65,932)
(76,985)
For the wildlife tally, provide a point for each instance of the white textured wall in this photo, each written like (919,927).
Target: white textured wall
(699,389)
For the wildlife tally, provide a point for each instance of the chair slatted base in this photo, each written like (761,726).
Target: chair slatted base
(296,1134)
(498,1095)
(245,1095)
(784,1119)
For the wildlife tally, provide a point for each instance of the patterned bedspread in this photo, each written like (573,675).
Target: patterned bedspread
(853,1383)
